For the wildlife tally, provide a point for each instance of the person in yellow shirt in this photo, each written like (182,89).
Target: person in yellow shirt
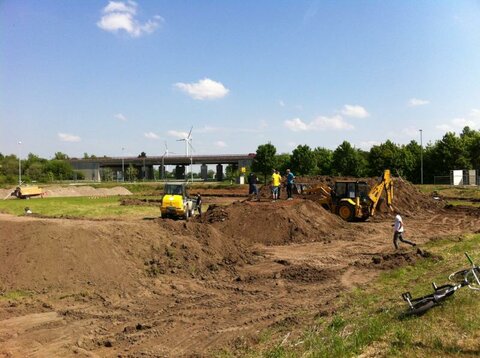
(276,179)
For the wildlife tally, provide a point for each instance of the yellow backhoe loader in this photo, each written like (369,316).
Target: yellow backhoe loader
(175,201)
(354,200)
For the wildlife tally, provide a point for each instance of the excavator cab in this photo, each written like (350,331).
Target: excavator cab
(349,200)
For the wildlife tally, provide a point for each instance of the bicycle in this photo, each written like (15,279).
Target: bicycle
(467,277)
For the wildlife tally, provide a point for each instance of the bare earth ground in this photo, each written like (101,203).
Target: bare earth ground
(156,288)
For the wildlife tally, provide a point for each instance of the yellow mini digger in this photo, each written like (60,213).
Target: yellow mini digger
(175,201)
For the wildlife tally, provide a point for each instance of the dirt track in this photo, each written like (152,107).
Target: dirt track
(170,288)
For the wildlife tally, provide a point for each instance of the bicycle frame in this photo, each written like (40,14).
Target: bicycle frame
(422,304)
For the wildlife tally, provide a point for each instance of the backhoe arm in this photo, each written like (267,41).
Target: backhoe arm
(376,192)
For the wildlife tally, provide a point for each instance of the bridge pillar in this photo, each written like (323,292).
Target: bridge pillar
(180,172)
(204,171)
(219,175)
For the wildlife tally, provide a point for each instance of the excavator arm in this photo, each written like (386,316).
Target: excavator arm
(376,192)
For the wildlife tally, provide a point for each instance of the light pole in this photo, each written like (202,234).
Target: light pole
(421,157)
(123,166)
(19,163)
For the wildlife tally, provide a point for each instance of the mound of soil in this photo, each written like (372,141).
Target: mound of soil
(85,191)
(62,254)
(275,223)
(407,198)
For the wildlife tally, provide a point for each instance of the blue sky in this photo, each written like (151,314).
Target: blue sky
(98,76)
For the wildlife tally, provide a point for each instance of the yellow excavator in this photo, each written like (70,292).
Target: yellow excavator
(354,200)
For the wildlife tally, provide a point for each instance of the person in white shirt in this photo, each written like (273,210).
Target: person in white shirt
(398,231)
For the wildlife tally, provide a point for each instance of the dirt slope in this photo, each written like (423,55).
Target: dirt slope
(169,288)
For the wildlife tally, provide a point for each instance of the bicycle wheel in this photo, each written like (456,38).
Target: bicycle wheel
(466,274)
(420,307)
(473,279)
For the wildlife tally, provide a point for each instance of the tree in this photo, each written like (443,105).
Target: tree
(264,161)
(282,162)
(471,141)
(131,173)
(60,169)
(449,153)
(303,160)
(348,161)
(384,156)
(107,174)
(410,162)
(324,159)
(60,156)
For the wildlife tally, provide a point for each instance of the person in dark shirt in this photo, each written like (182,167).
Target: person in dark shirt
(252,186)
(199,204)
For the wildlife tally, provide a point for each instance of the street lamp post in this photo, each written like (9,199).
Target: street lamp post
(123,166)
(19,164)
(421,157)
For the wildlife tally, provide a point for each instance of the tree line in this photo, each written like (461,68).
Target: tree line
(451,152)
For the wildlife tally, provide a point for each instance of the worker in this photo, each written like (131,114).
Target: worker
(199,204)
(252,186)
(290,183)
(276,179)
(398,230)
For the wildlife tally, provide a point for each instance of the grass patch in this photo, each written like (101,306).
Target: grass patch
(450,191)
(15,295)
(79,207)
(369,320)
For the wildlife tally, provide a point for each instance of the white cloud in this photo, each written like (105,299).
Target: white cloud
(177,134)
(65,137)
(120,117)
(220,144)
(475,113)
(335,122)
(120,15)
(457,124)
(151,135)
(445,127)
(296,125)
(462,122)
(318,124)
(281,103)
(415,102)
(203,89)
(354,111)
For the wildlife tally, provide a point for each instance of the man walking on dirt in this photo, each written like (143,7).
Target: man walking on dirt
(398,231)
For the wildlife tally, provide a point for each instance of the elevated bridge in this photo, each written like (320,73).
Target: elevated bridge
(92,167)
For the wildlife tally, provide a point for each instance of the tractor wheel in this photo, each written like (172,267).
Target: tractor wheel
(346,211)
(187,215)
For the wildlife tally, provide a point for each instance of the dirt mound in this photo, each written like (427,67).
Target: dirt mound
(61,254)
(407,198)
(308,273)
(275,223)
(85,191)
(398,259)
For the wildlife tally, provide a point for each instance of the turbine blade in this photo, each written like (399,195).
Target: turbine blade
(189,133)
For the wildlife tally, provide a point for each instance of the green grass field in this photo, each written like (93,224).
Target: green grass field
(449,191)
(80,207)
(369,320)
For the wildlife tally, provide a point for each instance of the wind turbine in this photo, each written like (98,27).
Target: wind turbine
(165,154)
(188,144)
